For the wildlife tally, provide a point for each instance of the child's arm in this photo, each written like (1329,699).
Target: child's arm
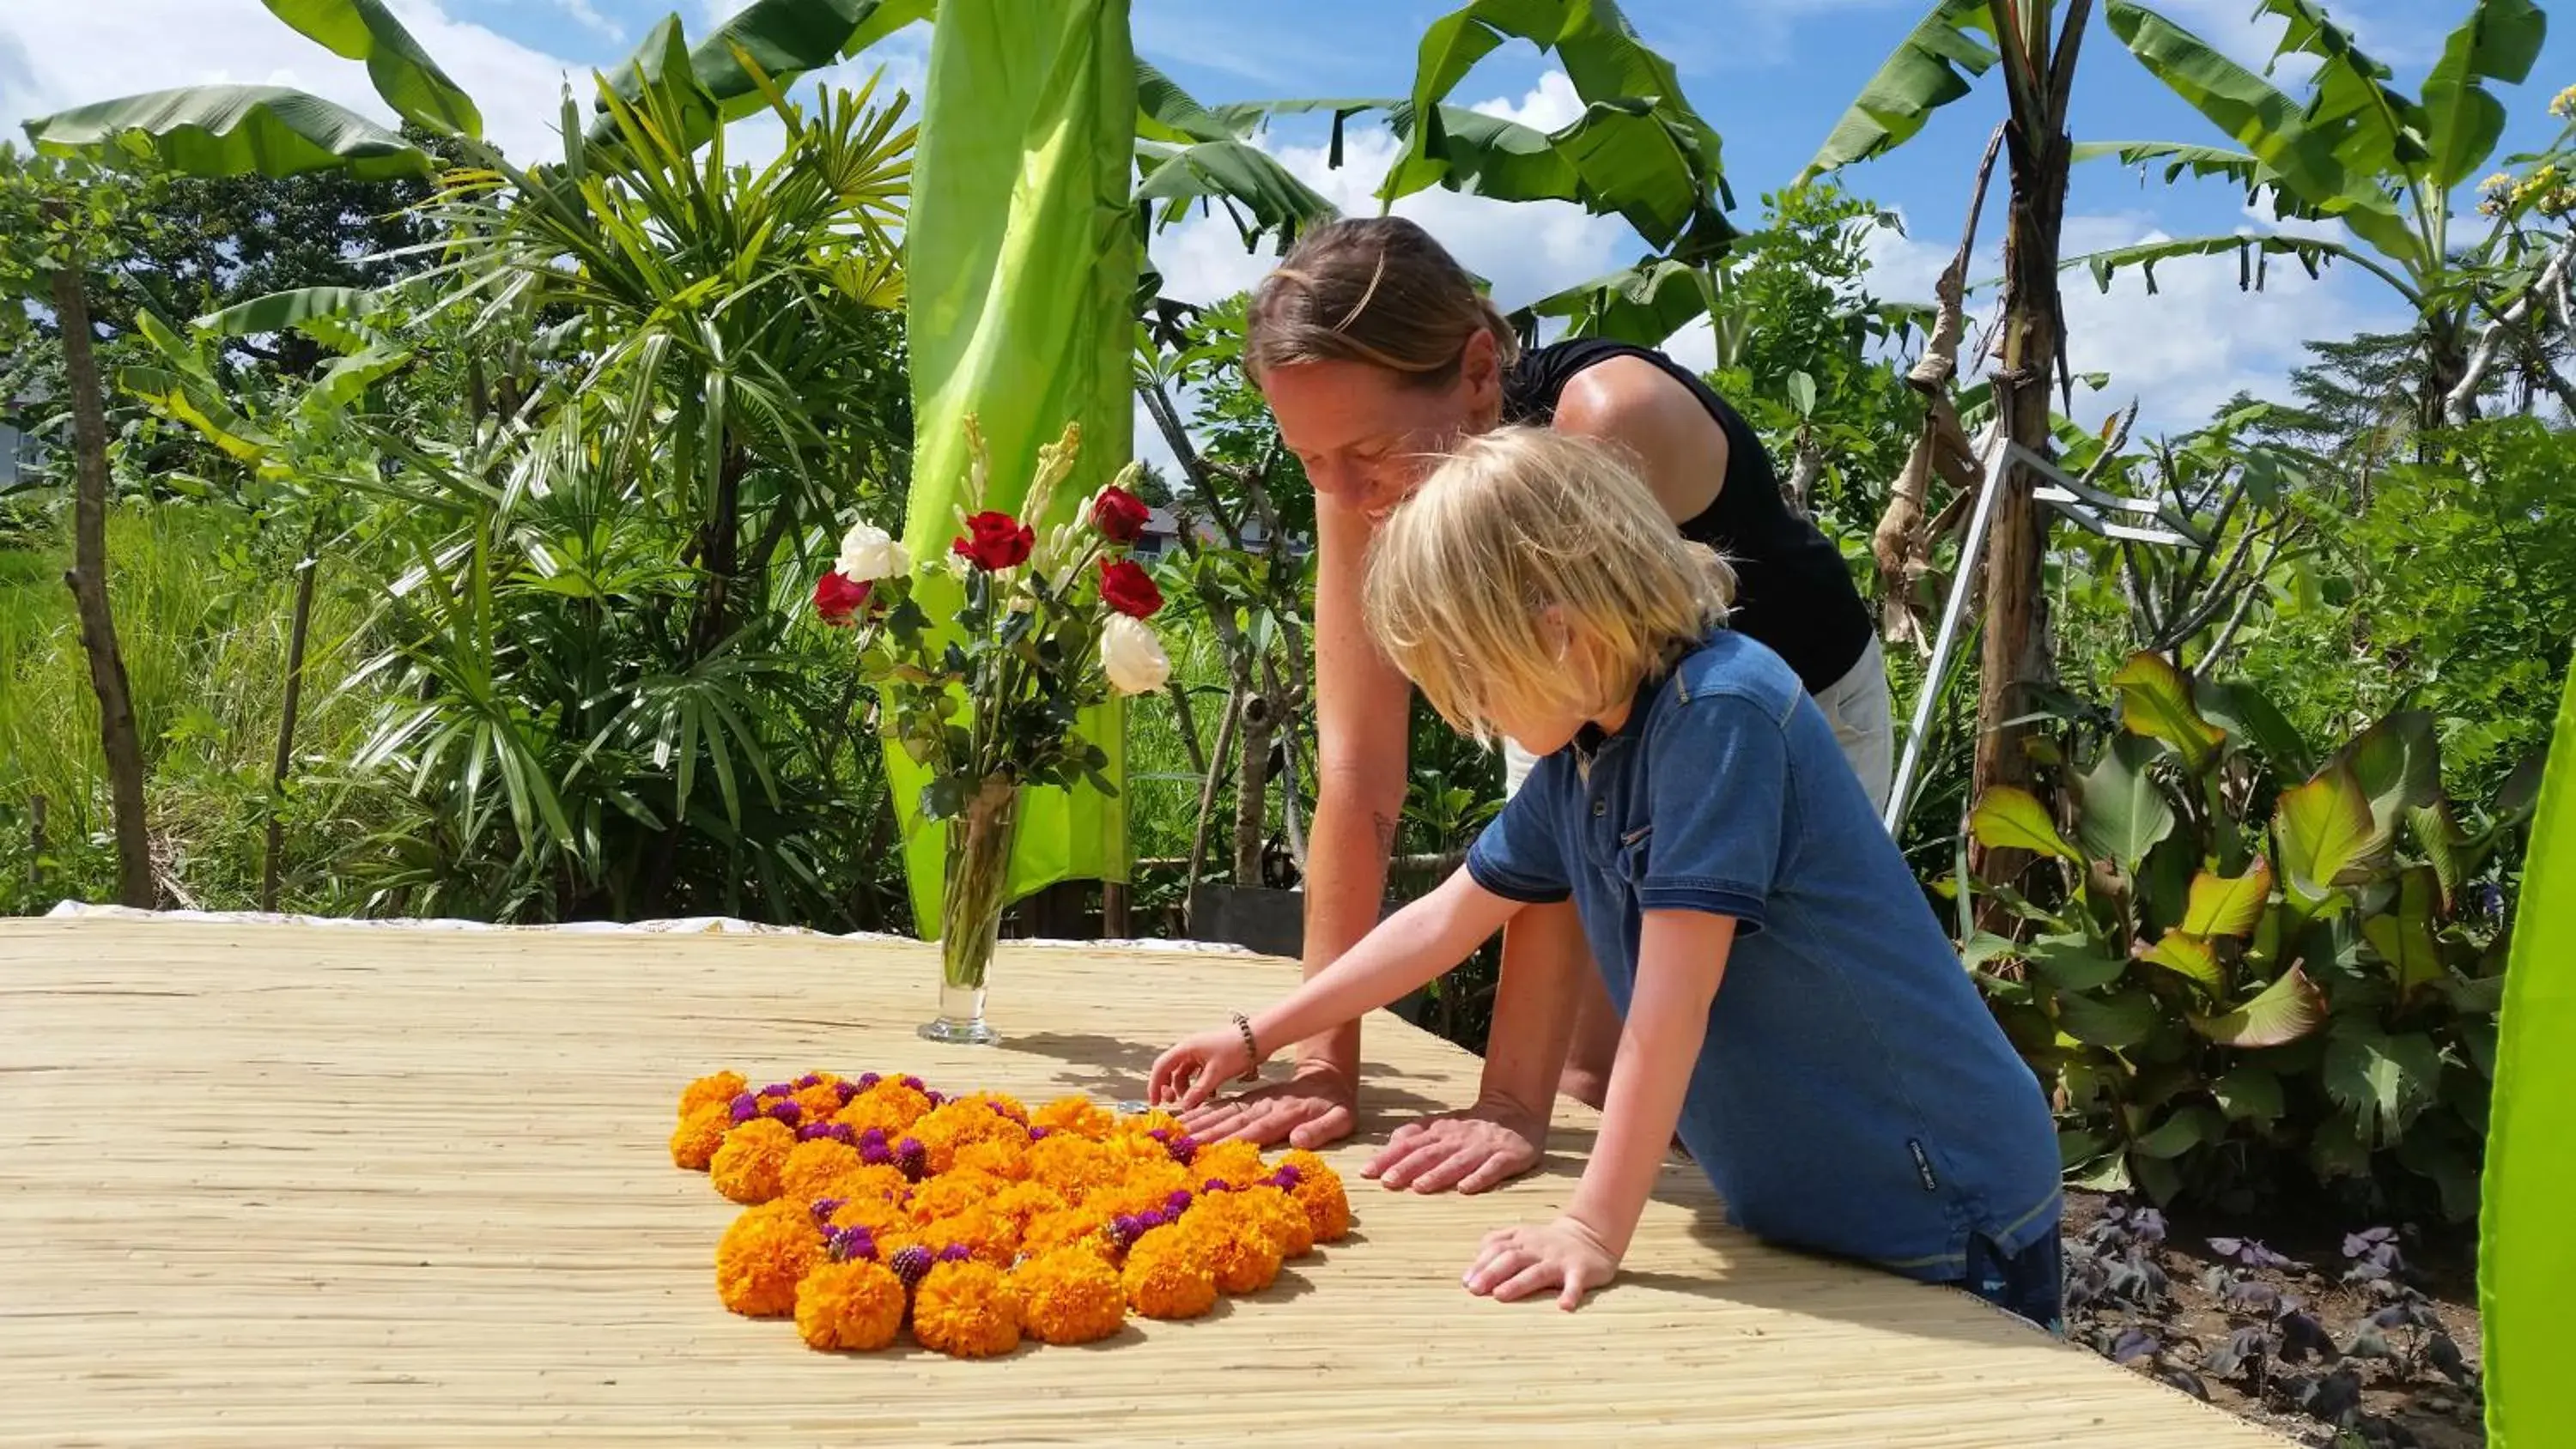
(1681,957)
(1409,948)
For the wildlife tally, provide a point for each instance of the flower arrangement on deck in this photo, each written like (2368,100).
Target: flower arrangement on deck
(875,1203)
(988,696)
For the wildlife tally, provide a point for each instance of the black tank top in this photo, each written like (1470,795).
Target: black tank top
(1792,591)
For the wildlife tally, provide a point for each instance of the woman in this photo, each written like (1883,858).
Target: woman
(1376,353)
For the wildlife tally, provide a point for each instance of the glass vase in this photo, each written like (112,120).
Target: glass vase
(972,896)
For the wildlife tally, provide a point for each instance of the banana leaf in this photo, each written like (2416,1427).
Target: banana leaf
(2526,1255)
(404,74)
(232,131)
(1021,260)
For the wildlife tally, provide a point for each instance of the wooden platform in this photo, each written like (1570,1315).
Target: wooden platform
(276,1185)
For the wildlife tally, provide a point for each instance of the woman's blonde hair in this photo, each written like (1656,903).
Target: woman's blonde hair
(1514,524)
(1377,290)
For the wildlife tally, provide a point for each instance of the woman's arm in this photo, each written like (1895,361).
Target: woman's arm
(1414,945)
(1681,959)
(1363,708)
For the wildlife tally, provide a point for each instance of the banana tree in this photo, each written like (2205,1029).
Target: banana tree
(2037,43)
(2357,152)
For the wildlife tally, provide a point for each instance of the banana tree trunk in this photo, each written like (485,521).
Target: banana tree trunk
(2014,653)
(118,738)
(298,632)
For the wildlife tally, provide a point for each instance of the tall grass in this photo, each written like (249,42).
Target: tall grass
(202,618)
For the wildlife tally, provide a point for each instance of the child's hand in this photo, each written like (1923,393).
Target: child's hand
(1190,1073)
(1564,1255)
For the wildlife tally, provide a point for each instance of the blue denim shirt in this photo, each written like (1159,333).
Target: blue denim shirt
(1853,1096)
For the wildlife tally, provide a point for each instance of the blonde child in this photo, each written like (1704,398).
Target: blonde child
(1791,1008)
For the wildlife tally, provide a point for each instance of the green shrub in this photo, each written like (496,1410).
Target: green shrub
(2253,973)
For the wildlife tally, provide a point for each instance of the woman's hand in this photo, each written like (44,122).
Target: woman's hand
(1190,1073)
(1483,1147)
(1563,1255)
(1313,1108)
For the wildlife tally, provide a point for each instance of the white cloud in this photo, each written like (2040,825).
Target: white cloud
(587,16)
(1525,249)
(2180,352)
(96,51)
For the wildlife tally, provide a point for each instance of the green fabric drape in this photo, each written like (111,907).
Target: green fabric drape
(2526,1252)
(1021,262)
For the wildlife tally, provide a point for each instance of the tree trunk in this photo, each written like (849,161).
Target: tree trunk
(1252,788)
(297,632)
(118,737)
(2014,653)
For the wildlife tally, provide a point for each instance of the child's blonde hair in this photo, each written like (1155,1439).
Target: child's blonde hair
(1513,524)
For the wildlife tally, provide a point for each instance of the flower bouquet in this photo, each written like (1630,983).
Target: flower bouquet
(987,701)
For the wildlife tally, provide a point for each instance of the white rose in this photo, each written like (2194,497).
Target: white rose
(1132,656)
(869,552)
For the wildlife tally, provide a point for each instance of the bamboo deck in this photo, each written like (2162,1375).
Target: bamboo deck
(282,1186)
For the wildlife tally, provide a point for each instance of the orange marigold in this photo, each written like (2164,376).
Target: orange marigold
(812,1167)
(951,1193)
(1319,1192)
(1069,1296)
(952,1126)
(1284,1218)
(762,1258)
(1006,1160)
(889,1104)
(854,1305)
(1151,1120)
(746,1167)
(1236,1242)
(875,1182)
(821,1101)
(720,1089)
(1071,1228)
(875,1214)
(694,1142)
(1168,1276)
(1025,1202)
(1236,1164)
(991,1238)
(968,1310)
(1073,1166)
(1078,1115)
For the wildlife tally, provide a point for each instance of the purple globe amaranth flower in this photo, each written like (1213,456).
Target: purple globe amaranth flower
(1216,1184)
(813,1130)
(868,1079)
(1182,1148)
(824,1207)
(787,1112)
(1287,1177)
(1151,1218)
(1178,1202)
(848,1092)
(810,1079)
(873,1149)
(1040,1134)
(846,1245)
(911,1264)
(745,1107)
(934,1099)
(1162,1135)
(913,1158)
(956,1253)
(778,1089)
(916,1084)
(1125,1229)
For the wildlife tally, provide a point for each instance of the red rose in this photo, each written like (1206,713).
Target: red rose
(995,541)
(837,597)
(1128,588)
(1120,516)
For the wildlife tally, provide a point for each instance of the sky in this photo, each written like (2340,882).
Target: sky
(1771,76)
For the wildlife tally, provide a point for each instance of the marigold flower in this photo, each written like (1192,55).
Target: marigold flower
(1236,1164)
(1073,1166)
(981,1235)
(890,1105)
(871,1184)
(746,1168)
(950,1193)
(763,1256)
(1007,1161)
(1078,1115)
(1237,1242)
(721,1087)
(853,1305)
(694,1142)
(813,1168)
(1024,1202)
(1168,1276)
(968,1310)
(1071,1228)
(878,1215)
(1319,1192)
(1284,1218)
(820,1102)
(1069,1296)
